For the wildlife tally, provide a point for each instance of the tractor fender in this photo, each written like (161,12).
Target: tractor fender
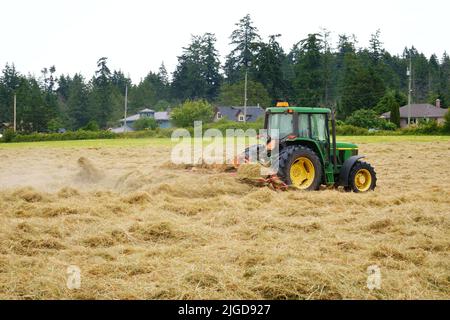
(346,168)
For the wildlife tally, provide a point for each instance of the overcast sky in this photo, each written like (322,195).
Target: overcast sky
(137,35)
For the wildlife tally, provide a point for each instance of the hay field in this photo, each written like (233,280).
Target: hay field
(139,228)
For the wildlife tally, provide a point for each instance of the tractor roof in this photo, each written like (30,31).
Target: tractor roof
(298,109)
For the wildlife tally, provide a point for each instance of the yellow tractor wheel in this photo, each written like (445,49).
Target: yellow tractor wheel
(302,173)
(362,177)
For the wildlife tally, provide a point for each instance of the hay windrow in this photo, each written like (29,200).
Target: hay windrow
(68,192)
(29,194)
(133,181)
(249,171)
(137,198)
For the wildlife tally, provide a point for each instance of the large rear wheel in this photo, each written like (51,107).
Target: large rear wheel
(301,168)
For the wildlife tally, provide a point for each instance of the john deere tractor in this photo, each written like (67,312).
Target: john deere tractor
(308,155)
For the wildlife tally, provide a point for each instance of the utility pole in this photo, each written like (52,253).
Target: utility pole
(409,73)
(15,112)
(245,96)
(126,106)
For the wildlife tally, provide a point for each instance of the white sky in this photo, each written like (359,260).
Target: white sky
(137,35)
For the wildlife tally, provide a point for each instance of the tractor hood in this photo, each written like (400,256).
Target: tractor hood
(345,146)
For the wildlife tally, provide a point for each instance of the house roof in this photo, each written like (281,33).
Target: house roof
(253,112)
(134,117)
(161,116)
(422,110)
(146,110)
(121,129)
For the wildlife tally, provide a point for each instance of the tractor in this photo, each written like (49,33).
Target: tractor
(308,155)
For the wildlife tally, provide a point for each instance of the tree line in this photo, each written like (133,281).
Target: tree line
(314,72)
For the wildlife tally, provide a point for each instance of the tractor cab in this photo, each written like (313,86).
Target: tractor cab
(309,155)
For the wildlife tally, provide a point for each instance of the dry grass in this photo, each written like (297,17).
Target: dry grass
(139,228)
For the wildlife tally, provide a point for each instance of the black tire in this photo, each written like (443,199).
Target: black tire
(288,158)
(358,167)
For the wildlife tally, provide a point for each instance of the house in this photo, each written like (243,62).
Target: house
(237,113)
(162,119)
(419,112)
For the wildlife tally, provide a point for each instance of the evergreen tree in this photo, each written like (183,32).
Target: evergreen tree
(394,107)
(376,50)
(9,83)
(246,41)
(63,87)
(120,82)
(309,84)
(328,61)
(188,82)
(444,80)
(101,102)
(312,73)
(163,75)
(269,68)
(197,74)
(361,86)
(384,104)
(31,109)
(419,75)
(78,103)
(211,65)
(49,92)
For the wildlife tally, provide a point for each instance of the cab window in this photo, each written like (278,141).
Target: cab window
(281,121)
(318,127)
(303,125)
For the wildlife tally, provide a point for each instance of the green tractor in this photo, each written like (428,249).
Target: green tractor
(308,155)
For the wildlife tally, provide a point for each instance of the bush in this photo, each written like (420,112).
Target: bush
(349,130)
(87,135)
(424,128)
(54,125)
(386,125)
(190,111)
(157,133)
(8,135)
(224,125)
(446,127)
(91,126)
(339,123)
(364,118)
(145,123)
(69,135)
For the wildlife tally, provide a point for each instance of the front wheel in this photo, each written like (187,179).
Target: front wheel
(362,178)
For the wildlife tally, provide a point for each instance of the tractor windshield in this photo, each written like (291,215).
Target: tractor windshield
(282,122)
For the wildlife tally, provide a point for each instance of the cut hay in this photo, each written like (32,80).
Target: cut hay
(138,229)
(88,172)
(250,171)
